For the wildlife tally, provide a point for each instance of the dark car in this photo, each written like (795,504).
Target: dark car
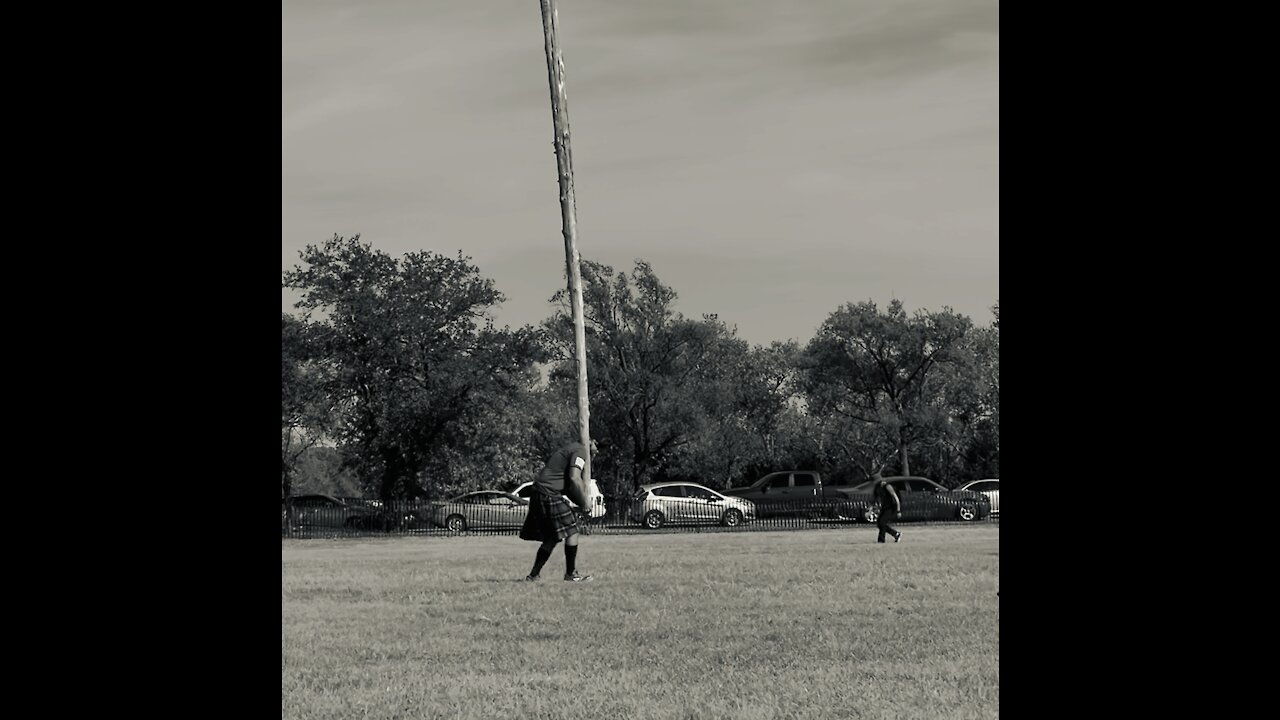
(797,493)
(329,511)
(922,499)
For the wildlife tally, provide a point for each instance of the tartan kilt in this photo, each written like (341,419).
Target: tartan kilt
(550,519)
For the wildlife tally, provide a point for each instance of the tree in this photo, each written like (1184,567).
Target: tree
(750,399)
(982,449)
(304,407)
(503,445)
(880,369)
(320,471)
(416,362)
(653,373)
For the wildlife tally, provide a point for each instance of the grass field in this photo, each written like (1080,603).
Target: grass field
(806,624)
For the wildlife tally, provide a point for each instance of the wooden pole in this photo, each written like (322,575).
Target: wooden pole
(568,212)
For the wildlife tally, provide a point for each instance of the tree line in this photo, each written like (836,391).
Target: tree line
(396,383)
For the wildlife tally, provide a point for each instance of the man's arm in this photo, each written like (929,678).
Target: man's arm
(576,484)
(897,504)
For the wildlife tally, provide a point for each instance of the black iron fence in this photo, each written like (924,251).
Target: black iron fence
(325,516)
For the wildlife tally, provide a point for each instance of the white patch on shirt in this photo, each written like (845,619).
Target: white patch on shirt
(579,463)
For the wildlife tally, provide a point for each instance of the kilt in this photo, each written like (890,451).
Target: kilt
(550,519)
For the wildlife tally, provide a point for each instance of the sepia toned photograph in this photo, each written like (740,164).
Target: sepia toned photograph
(640,360)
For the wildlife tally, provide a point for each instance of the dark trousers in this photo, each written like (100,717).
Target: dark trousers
(886,516)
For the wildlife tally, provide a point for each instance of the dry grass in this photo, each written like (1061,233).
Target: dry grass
(812,624)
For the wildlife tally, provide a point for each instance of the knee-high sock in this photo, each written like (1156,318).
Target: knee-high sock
(570,558)
(544,554)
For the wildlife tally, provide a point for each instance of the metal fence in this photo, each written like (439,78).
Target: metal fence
(324,516)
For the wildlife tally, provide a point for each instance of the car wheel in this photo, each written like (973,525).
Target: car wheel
(731,518)
(653,520)
(968,511)
(456,523)
(870,515)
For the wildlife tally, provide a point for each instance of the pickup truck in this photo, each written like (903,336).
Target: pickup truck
(798,493)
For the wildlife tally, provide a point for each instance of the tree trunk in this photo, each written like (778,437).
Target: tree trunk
(392,470)
(287,488)
(902,451)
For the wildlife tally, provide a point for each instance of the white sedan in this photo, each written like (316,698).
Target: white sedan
(482,509)
(989,487)
(594,496)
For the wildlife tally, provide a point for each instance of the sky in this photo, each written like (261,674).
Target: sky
(772,161)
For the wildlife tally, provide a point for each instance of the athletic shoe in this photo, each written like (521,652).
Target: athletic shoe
(575,577)
(531,578)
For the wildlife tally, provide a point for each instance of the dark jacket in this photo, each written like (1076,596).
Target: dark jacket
(887,497)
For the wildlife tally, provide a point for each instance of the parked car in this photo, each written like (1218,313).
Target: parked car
(596,498)
(327,511)
(796,493)
(658,504)
(989,487)
(922,499)
(480,509)
(351,513)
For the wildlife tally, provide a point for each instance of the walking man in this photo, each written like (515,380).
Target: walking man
(890,506)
